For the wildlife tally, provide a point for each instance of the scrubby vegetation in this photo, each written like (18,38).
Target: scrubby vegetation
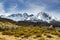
(25,29)
(29,31)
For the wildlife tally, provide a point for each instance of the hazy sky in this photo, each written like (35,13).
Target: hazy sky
(30,6)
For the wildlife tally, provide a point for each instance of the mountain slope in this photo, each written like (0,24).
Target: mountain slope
(25,19)
(7,24)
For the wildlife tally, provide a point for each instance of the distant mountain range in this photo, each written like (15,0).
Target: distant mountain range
(21,17)
(40,17)
(17,17)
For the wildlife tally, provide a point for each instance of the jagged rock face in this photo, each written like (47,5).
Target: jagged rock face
(43,16)
(31,15)
(15,15)
(25,15)
(46,16)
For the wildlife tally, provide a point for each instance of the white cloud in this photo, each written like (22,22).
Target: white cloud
(55,1)
(1,9)
(10,11)
(34,9)
(13,9)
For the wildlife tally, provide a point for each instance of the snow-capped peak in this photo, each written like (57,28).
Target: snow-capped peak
(19,16)
(43,16)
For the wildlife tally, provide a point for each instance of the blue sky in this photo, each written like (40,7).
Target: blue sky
(30,6)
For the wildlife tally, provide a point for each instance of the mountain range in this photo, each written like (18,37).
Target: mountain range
(41,17)
(34,18)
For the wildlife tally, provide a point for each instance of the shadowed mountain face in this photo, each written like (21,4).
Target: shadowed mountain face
(15,15)
(44,15)
(55,23)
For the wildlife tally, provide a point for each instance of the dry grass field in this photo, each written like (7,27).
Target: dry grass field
(30,33)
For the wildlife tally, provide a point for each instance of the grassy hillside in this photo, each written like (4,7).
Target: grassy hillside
(34,32)
(27,29)
(9,24)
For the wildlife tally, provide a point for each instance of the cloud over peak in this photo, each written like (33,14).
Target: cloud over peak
(30,6)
